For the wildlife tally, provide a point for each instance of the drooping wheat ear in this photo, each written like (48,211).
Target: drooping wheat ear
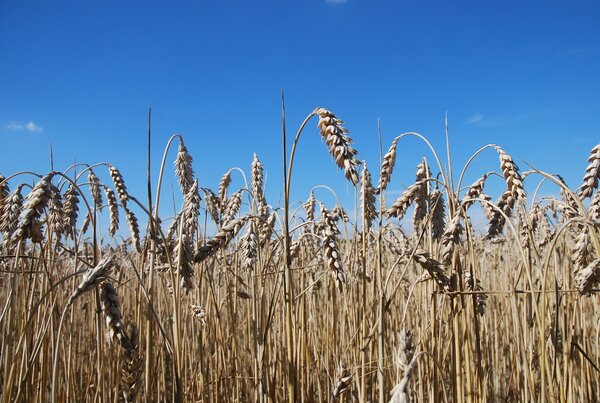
(334,262)
(113,209)
(592,174)
(212,203)
(71,206)
(437,206)
(249,248)
(183,168)
(541,224)
(339,213)
(223,186)
(506,203)
(199,313)
(132,367)
(309,207)
(570,209)
(367,198)
(396,240)
(4,192)
(595,207)
(183,255)
(451,238)
(191,209)
(582,253)
(55,219)
(93,277)
(119,184)
(474,192)
(387,166)
(266,227)
(11,211)
(402,203)
(232,207)
(257,180)
(134,229)
(95,188)
(109,301)
(341,382)
(86,223)
(434,268)
(423,174)
(475,285)
(221,240)
(338,143)
(35,203)
(510,171)
(588,277)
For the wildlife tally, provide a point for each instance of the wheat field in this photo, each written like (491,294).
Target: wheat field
(238,300)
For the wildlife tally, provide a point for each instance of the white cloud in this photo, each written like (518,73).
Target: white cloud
(476,119)
(29,126)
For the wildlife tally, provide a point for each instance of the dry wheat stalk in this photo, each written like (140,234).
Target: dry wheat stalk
(221,240)
(592,174)
(434,268)
(35,203)
(588,277)
(183,168)
(113,209)
(338,143)
(93,277)
(119,183)
(387,166)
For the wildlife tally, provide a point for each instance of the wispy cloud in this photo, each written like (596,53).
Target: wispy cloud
(336,1)
(29,127)
(481,120)
(476,119)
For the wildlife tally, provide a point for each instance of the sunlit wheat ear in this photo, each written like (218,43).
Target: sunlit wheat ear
(221,240)
(212,205)
(451,238)
(510,171)
(183,255)
(402,203)
(95,188)
(437,208)
(334,261)
(474,192)
(11,211)
(367,198)
(570,209)
(134,229)
(595,207)
(583,251)
(338,143)
(35,203)
(223,186)
(199,313)
(420,201)
(71,210)
(113,209)
(132,366)
(256,169)
(342,381)
(496,225)
(266,228)
(434,268)
(4,192)
(232,207)
(587,279)
(387,166)
(339,213)
(183,168)
(93,277)
(309,207)
(109,301)
(592,174)
(119,183)
(55,220)
(191,209)
(249,246)
(475,285)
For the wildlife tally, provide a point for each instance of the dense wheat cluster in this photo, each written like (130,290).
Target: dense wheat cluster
(236,299)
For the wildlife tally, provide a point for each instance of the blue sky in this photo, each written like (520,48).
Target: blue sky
(80,75)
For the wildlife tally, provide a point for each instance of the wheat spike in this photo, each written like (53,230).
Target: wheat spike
(592,174)
(183,168)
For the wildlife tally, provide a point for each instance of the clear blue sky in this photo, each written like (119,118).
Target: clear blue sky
(81,74)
